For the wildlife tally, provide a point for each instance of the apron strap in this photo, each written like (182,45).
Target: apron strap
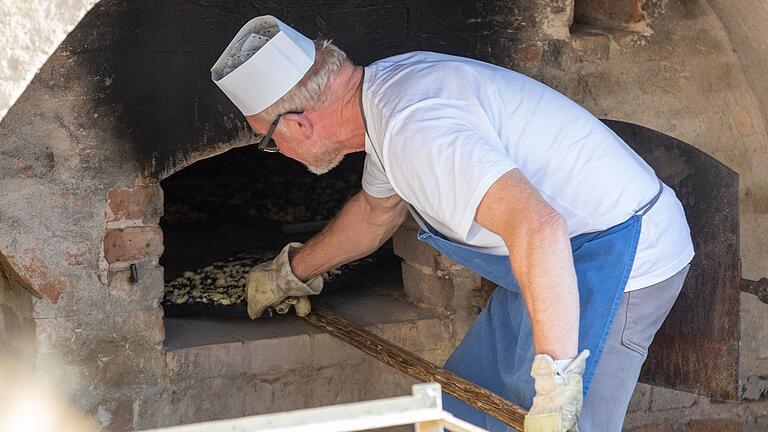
(426,227)
(649,205)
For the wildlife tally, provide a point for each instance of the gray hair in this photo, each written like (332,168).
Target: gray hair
(307,94)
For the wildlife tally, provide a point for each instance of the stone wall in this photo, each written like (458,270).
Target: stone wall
(742,22)
(655,409)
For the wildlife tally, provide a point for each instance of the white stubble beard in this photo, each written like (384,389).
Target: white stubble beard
(325,162)
(320,170)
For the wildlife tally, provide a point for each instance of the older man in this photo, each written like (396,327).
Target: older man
(505,176)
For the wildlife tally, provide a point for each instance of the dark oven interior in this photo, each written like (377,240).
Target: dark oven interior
(225,214)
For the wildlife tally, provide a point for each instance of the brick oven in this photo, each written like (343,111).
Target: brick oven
(122,166)
(123,126)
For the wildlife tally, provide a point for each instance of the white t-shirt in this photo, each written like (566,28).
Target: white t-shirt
(443,129)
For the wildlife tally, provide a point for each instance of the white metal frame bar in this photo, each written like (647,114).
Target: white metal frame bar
(423,409)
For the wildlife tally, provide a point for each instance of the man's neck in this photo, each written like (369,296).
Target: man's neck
(344,110)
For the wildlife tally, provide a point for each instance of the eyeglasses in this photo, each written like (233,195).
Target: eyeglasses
(267,144)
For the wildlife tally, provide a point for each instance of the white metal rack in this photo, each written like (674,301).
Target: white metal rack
(424,409)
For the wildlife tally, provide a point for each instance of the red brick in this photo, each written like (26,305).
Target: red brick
(140,203)
(591,45)
(530,53)
(714,425)
(31,271)
(636,13)
(130,244)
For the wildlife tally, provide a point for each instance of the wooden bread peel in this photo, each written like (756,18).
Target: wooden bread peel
(417,367)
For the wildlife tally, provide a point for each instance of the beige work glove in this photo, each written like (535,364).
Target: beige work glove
(557,404)
(274,284)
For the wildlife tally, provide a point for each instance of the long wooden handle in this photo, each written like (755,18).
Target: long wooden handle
(415,366)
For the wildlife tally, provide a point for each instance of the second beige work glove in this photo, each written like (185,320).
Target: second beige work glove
(274,284)
(558,401)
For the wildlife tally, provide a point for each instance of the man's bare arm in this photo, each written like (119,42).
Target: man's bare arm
(540,254)
(363,225)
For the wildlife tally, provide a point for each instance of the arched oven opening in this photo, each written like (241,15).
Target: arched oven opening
(225,214)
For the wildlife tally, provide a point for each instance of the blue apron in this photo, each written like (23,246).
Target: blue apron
(497,351)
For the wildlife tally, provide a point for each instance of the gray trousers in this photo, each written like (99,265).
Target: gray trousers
(639,317)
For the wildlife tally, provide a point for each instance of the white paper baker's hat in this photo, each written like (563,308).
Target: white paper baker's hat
(262,63)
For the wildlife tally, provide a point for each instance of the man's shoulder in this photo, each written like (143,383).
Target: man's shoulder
(420,60)
(417,56)
(395,83)
(422,74)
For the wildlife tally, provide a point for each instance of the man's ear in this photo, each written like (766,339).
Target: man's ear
(298,124)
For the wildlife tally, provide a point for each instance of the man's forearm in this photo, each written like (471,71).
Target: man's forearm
(541,258)
(357,231)
(543,265)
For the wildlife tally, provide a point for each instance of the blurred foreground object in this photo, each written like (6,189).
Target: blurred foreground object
(424,409)
(27,404)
